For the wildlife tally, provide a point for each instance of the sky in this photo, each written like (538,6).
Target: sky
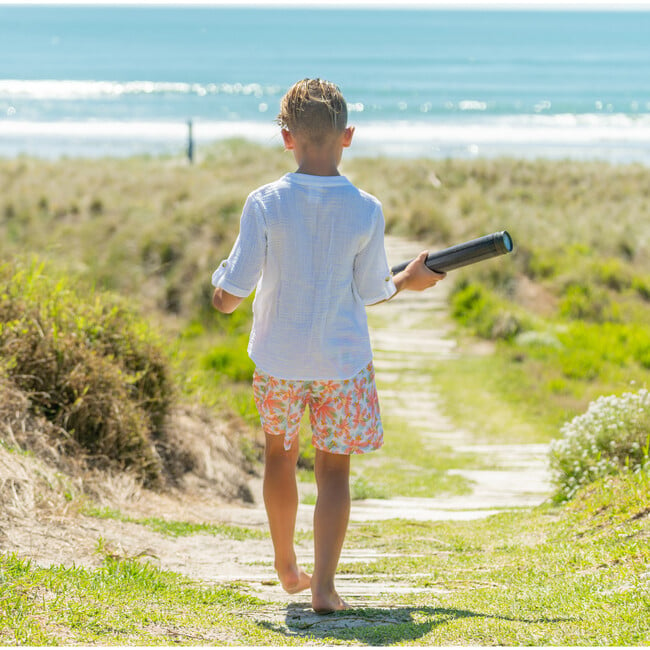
(450,4)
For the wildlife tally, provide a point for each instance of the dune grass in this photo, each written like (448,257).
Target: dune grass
(571,576)
(567,311)
(175,528)
(126,602)
(155,228)
(570,306)
(89,365)
(577,286)
(150,228)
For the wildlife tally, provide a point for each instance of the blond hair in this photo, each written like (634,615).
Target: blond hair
(314,108)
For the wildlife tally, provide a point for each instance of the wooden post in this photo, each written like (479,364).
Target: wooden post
(190,143)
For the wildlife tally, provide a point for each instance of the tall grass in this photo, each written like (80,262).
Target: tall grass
(570,306)
(152,229)
(88,364)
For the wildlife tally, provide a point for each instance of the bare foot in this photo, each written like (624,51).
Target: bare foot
(326,603)
(294,580)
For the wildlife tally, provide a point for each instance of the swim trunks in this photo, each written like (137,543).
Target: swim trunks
(344,413)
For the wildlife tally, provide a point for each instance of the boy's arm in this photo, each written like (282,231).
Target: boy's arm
(226,302)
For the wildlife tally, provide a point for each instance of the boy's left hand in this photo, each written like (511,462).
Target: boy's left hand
(225,302)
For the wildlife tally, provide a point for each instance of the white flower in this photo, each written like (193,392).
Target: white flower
(612,435)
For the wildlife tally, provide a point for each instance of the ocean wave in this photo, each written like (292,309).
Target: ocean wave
(565,125)
(519,129)
(138,130)
(617,138)
(399,103)
(74,89)
(514,128)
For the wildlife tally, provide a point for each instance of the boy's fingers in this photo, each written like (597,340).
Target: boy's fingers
(422,257)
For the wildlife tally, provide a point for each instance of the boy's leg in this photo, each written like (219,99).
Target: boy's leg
(330,526)
(281,501)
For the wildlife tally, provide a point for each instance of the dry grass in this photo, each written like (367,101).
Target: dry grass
(88,365)
(155,228)
(152,229)
(85,386)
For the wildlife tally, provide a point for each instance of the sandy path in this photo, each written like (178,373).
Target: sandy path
(415,332)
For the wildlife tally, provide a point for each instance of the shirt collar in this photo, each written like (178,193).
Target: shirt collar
(316,181)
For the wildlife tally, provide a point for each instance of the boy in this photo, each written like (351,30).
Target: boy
(313,245)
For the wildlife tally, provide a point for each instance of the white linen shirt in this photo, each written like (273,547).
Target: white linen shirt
(313,246)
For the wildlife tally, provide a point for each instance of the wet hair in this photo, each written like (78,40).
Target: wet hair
(313,108)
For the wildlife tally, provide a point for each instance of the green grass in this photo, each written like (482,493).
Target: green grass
(399,468)
(174,528)
(528,388)
(405,467)
(577,574)
(579,276)
(147,227)
(499,400)
(211,365)
(567,316)
(121,603)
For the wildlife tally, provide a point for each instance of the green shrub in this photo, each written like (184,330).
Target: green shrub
(616,343)
(480,310)
(585,302)
(612,436)
(578,363)
(230,359)
(88,364)
(612,273)
(642,286)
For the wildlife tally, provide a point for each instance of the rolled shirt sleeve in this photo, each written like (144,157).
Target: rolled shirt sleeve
(241,271)
(372,277)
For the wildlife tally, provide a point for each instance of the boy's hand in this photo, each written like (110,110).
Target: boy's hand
(417,276)
(225,302)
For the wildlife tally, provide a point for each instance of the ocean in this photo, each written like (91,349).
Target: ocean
(120,80)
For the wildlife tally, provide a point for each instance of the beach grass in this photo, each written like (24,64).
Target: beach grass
(174,528)
(565,317)
(150,228)
(570,576)
(566,313)
(126,602)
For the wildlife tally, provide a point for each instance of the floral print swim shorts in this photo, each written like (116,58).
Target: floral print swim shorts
(344,413)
